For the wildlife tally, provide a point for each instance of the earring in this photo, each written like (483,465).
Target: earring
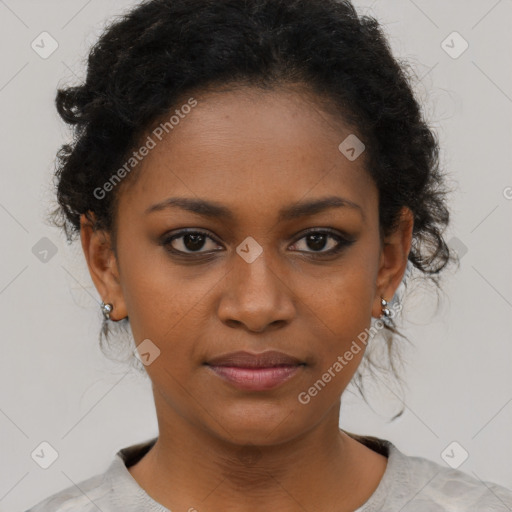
(385,310)
(106,309)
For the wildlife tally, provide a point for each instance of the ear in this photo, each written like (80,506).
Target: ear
(393,260)
(103,266)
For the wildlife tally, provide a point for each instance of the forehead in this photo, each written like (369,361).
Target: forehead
(251,149)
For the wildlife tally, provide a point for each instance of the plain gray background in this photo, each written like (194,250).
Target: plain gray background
(56,386)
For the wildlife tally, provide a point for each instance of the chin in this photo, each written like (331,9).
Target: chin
(258,427)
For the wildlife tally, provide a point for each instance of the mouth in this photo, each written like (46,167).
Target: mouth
(256,372)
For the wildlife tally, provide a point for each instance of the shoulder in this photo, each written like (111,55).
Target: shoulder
(421,484)
(417,484)
(112,491)
(86,496)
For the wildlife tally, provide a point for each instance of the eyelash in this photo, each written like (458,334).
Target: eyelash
(342,242)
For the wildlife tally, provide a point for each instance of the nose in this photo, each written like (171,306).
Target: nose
(256,297)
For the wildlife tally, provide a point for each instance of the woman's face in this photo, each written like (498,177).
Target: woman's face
(248,168)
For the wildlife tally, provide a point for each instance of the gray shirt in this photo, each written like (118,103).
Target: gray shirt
(409,484)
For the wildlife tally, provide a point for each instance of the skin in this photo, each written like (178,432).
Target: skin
(221,448)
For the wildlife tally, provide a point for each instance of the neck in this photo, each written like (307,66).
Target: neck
(190,468)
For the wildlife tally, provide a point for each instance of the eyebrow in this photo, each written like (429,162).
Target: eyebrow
(293,211)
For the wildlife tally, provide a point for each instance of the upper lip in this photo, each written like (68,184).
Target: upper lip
(244,359)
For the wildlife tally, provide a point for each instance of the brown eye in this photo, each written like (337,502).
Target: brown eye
(188,242)
(317,241)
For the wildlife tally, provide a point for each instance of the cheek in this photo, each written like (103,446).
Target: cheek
(343,311)
(162,310)
(158,295)
(173,310)
(343,297)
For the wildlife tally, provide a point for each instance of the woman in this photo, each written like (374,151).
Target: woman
(250,181)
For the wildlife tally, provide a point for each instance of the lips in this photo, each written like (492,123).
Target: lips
(269,359)
(255,372)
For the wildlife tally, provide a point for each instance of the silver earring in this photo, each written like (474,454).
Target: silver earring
(385,310)
(106,309)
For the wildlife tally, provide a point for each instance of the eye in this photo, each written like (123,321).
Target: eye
(319,240)
(189,242)
(193,241)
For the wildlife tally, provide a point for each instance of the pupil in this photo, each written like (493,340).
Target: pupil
(197,241)
(318,240)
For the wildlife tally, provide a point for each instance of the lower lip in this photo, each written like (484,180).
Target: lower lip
(256,379)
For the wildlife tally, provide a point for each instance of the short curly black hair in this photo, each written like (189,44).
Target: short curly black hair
(156,54)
